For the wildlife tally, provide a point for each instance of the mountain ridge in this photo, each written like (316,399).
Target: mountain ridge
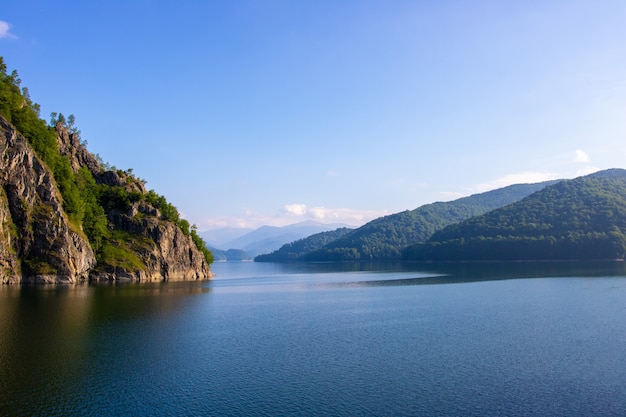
(384,238)
(266,239)
(581,218)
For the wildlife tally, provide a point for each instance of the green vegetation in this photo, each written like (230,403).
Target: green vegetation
(169,212)
(40,265)
(86,202)
(120,251)
(385,238)
(17,107)
(294,251)
(584,218)
(197,240)
(94,219)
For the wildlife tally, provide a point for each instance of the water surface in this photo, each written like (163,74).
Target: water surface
(326,339)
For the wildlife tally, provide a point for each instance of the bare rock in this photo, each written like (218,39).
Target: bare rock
(70,145)
(166,253)
(37,242)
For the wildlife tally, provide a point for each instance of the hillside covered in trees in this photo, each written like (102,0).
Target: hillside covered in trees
(385,238)
(295,250)
(583,218)
(67,216)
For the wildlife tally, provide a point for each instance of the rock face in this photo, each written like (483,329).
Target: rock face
(35,231)
(38,244)
(168,254)
(69,145)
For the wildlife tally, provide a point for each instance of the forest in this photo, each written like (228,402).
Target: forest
(383,239)
(296,250)
(583,218)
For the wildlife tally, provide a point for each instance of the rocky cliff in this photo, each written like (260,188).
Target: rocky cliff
(39,244)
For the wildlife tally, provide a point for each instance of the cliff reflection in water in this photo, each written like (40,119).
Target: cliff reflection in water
(50,337)
(462,272)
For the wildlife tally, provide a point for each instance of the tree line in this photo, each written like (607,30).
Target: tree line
(584,218)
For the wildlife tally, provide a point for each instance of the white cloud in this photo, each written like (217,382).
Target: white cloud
(344,215)
(328,215)
(220,222)
(292,213)
(295,209)
(581,156)
(4,30)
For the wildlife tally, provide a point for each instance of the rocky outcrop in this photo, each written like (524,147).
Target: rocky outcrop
(9,262)
(38,244)
(69,145)
(166,253)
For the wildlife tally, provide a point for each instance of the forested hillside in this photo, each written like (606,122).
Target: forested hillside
(295,250)
(385,238)
(583,218)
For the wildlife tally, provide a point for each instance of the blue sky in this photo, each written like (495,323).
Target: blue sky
(247,113)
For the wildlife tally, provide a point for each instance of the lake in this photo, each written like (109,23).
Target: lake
(518,339)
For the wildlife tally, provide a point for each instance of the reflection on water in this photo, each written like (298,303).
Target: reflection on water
(323,339)
(47,342)
(350,274)
(453,273)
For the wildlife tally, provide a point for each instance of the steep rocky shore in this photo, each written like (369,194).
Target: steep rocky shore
(39,244)
(35,230)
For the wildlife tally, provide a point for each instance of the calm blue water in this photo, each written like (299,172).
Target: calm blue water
(340,340)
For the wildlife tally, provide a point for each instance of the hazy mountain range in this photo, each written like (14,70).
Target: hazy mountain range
(562,219)
(384,238)
(582,218)
(245,244)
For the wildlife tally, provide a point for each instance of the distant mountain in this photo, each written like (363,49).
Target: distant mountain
(232,255)
(583,218)
(385,238)
(219,238)
(267,239)
(294,250)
